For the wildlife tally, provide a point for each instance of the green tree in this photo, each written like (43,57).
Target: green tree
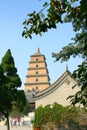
(80,96)
(18,105)
(8,89)
(3,95)
(26,109)
(56,11)
(64,11)
(19,102)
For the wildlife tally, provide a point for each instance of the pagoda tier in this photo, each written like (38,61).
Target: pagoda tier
(37,77)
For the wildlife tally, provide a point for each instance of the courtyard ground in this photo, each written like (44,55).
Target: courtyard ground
(16,128)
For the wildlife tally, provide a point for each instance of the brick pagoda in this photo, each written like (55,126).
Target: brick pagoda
(37,77)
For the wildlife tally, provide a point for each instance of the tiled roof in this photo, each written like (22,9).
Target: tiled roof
(29,97)
(53,86)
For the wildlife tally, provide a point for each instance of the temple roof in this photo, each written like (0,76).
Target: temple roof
(29,97)
(53,86)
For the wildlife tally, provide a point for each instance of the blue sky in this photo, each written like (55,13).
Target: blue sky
(12,15)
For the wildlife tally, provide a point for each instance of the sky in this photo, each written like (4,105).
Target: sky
(12,15)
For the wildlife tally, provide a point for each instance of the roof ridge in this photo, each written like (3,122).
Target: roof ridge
(54,84)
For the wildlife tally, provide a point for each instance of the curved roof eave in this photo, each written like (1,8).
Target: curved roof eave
(53,86)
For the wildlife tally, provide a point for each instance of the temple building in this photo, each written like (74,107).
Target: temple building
(38,89)
(38,76)
(58,92)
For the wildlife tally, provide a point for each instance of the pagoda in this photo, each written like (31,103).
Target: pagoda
(38,75)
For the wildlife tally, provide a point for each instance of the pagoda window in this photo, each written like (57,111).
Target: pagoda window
(36,72)
(36,80)
(36,87)
(36,59)
(36,65)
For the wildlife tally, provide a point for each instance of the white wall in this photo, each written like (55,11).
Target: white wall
(60,94)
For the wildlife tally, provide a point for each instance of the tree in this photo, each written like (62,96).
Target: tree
(80,96)
(55,12)
(63,11)
(19,102)
(3,96)
(18,105)
(26,109)
(9,82)
(78,47)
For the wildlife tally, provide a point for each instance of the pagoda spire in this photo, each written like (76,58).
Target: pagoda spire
(66,67)
(38,51)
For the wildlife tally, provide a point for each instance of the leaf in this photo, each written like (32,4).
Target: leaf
(45,4)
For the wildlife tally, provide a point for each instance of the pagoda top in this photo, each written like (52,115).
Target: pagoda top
(38,51)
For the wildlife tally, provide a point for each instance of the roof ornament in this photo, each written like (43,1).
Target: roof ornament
(38,51)
(66,67)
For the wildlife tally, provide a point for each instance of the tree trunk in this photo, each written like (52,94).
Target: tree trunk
(8,126)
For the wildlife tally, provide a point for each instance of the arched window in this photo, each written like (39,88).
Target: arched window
(36,59)
(36,65)
(36,72)
(36,80)
(36,87)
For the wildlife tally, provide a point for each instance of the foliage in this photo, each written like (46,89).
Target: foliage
(80,96)
(38,116)
(26,109)
(38,23)
(4,99)
(18,104)
(57,112)
(79,47)
(79,22)
(20,100)
(56,10)
(10,70)
(13,80)
(59,115)
(9,82)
